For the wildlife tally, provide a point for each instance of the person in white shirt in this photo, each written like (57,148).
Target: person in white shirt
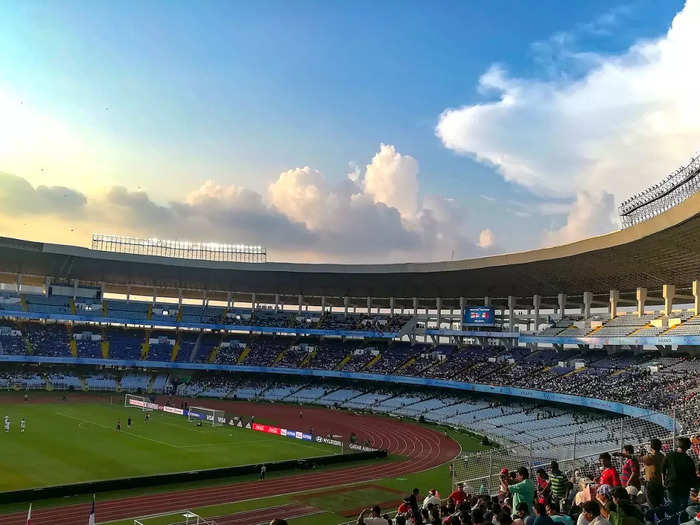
(22,425)
(433,498)
(374,519)
(591,513)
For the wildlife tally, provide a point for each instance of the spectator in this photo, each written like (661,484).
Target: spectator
(375,517)
(554,512)
(522,514)
(653,466)
(591,513)
(621,511)
(543,484)
(679,475)
(630,468)
(541,515)
(458,496)
(609,475)
(558,482)
(523,490)
(432,498)
(415,510)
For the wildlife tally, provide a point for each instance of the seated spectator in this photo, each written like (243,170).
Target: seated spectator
(591,514)
(522,514)
(621,511)
(375,517)
(555,513)
(541,516)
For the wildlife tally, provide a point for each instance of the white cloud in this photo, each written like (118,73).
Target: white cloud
(623,125)
(485,238)
(392,178)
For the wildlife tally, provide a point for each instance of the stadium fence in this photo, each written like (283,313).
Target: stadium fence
(577,453)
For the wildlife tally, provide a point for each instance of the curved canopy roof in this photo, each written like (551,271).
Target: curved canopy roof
(663,250)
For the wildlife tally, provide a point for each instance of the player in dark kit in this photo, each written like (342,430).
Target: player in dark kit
(119,425)
(128,423)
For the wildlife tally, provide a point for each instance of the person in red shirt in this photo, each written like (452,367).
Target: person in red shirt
(458,495)
(609,475)
(405,506)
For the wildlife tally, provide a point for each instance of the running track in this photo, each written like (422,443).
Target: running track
(423,448)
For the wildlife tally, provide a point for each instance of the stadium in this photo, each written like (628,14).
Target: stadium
(182,383)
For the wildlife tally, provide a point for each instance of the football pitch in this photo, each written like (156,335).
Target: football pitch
(74,442)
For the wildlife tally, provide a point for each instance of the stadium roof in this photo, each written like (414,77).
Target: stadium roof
(662,250)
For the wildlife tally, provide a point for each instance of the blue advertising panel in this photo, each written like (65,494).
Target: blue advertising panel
(480,316)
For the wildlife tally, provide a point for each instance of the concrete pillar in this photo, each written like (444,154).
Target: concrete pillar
(253,302)
(415,306)
(47,285)
(536,303)
(669,294)
(391,306)
(641,299)
(301,302)
(369,305)
(228,300)
(614,298)
(512,300)
(587,302)
(75,290)
(462,308)
(529,319)
(204,299)
(438,307)
(346,301)
(277,302)
(19,283)
(128,292)
(102,291)
(487,301)
(179,297)
(323,304)
(561,300)
(696,295)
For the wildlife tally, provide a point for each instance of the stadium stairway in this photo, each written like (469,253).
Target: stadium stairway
(71,342)
(23,302)
(244,354)
(83,384)
(307,359)
(179,314)
(176,348)
(71,303)
(406,363)
(279,356)
(104,308)
(372,362)
(145,346)
(344,361)
(104,345)
(574,371)
(213,354)
(152,380)
(149,313)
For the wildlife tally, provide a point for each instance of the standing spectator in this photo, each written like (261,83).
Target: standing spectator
(653,466)
(415,510)
(558,482)
(609,475)
(263,470)
(458,496)
(523,490)
(630,468)
(679,475)
(543,484)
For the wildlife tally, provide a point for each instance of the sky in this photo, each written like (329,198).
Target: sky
(341,131)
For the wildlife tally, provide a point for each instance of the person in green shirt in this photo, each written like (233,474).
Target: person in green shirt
(523,490)
(621,511)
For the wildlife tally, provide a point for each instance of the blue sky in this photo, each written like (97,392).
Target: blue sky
(160,97)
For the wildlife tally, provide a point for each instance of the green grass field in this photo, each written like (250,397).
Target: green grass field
(73,442)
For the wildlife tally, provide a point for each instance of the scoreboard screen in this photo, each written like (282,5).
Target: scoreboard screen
(479,315)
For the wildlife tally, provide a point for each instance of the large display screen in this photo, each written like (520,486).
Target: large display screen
(479,315)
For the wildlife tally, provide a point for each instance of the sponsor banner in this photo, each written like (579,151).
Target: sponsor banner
(173,410)
(293,434)
(354,446)
(328,441)
(267,429)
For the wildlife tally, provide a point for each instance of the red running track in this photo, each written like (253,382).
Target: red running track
(422,447)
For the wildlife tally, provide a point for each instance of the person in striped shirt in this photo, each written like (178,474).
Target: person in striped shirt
(629,475)
(558,482)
